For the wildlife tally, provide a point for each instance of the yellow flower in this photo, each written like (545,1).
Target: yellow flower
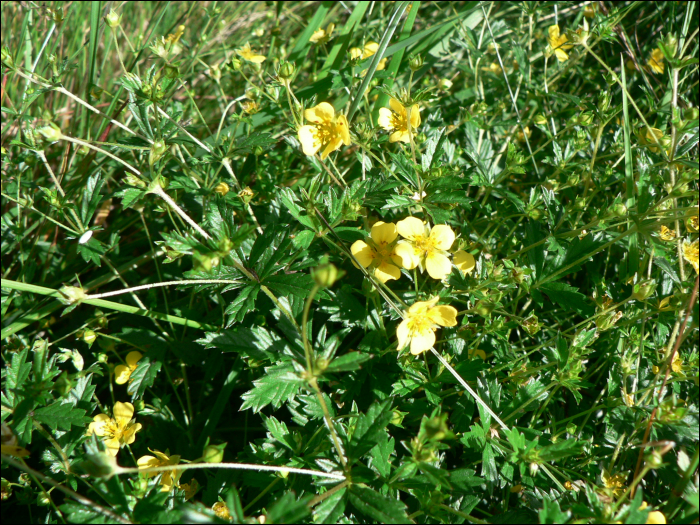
(493,68)
(677,363)
(396,120)
(422,319)
(190,488)
(321,36)
(169,478)
(655,517)
(246,53)
(115,431)
(616,482)
(174,40)
(558,43)
(656,61)
(692,224)
(666,234)
(221,510)
(690,253)
(477,352)
(370,49)
(122,373)
(464,262)
(251,107)
(9,443)
(329,131)
(379,252)
(424,247)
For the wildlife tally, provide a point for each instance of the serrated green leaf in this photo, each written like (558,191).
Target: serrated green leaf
(296,284)
(289,509)
(332,508)
(348,362)
(368,425)
(278,385)
(242,304)
(143,377)
(375,506)
(568,297)
(61,415)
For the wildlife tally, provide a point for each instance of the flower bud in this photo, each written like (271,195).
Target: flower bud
(213,453)
(52,133)
(7,57)
(89,337)
(139,405)
(326,275)
(171,71)
(540,119)
(643,289)
(531,325)
(71,295)
(619,210)
(671,44)
(133,180)
(415,62)
(444,84)
(607,321)
(222,189)
(484,308)
(654,459)
(113,19)
(286,70)
(604,101)
(158,149)
(215,73)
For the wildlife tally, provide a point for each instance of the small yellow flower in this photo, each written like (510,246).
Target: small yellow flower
(122,373)
(222,188)
(370,49)
(677,363)
(246,53)
(251,107)
(422,319)
(653,137)
(493,68)
(690,253)
(656,61)
(190,488)
(464,261)
(667,234)
(379,252)
(655,369)
(328,130)
(656,518)
(221,510)
(616,482)
(477,352)
(692,224)
(9,443)
(115,431)
(424,247)
(321,36)
(169,478)
(396,120)
(558,43)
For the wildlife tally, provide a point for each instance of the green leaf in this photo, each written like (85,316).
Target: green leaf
(143,377)
(17,374)
(375,506)
(296,284)
(279,384)
(331,509)
(348,362)
(61,415)
(368,426)
(288,509)
(561,449)
(381,454)
(567,297)
(242,304)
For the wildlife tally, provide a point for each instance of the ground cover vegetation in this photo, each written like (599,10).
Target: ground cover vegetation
(354,262)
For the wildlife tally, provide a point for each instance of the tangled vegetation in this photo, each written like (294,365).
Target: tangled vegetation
(350,262)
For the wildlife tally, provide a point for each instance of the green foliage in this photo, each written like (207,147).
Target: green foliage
(154,172)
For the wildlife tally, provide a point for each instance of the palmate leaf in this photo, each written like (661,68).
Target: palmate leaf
(61,416)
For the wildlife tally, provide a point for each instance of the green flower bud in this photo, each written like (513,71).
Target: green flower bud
(172,72)
(619,210)
(607,321)
(89,337)
(63,384)
(213,453)
(71,295)
(100,465)
(158,149)
(643,289)
(444,84)
(604,101)
(7,58)
(531,325)
(484,308)
(654,459)
(222,189)
(215,73)
(286,70)
(52,133)
(415,62)
(671,44)
(113,19)
(326,275)
(133,180)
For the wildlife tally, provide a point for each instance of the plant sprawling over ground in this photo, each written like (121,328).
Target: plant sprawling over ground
(354,262)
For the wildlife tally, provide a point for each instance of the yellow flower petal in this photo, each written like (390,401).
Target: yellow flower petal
(421,307)
(415,116)
(98,425)
(148,462)
(409,258)
(384,232)
(362,252)
(370,49)
(343,129)
(123,412)
(355,53)
(384,119)
(396,106)
(410,228)
(14,450)
(422,341)
(132,358)
(129,435)
(443,315)
(655,517)
(656,61)
(464,261)
(121,374)
(112,445)
(332,145)
(323,112)
(403,334)
(400,136)
(438,265)
(308,136)
(385,272)
(443,236)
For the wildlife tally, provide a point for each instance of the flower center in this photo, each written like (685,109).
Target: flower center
(424,244)
(112,429)
(325,131)
(419,324)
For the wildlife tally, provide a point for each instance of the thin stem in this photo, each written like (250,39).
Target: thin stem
(158,190)
(158,285)
(99,150)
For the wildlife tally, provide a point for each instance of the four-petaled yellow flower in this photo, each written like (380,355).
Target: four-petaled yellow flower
(370,49)
(378,252)
(396,120)
(656,61)
(328,130)
(464,261)
(169,478)
(615,482)
(122,373)
(118,430)
(246,53)
(667,234)
(321,36)
(558,43)
(690,253)
(421,321)
(424,247)
(221,510)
